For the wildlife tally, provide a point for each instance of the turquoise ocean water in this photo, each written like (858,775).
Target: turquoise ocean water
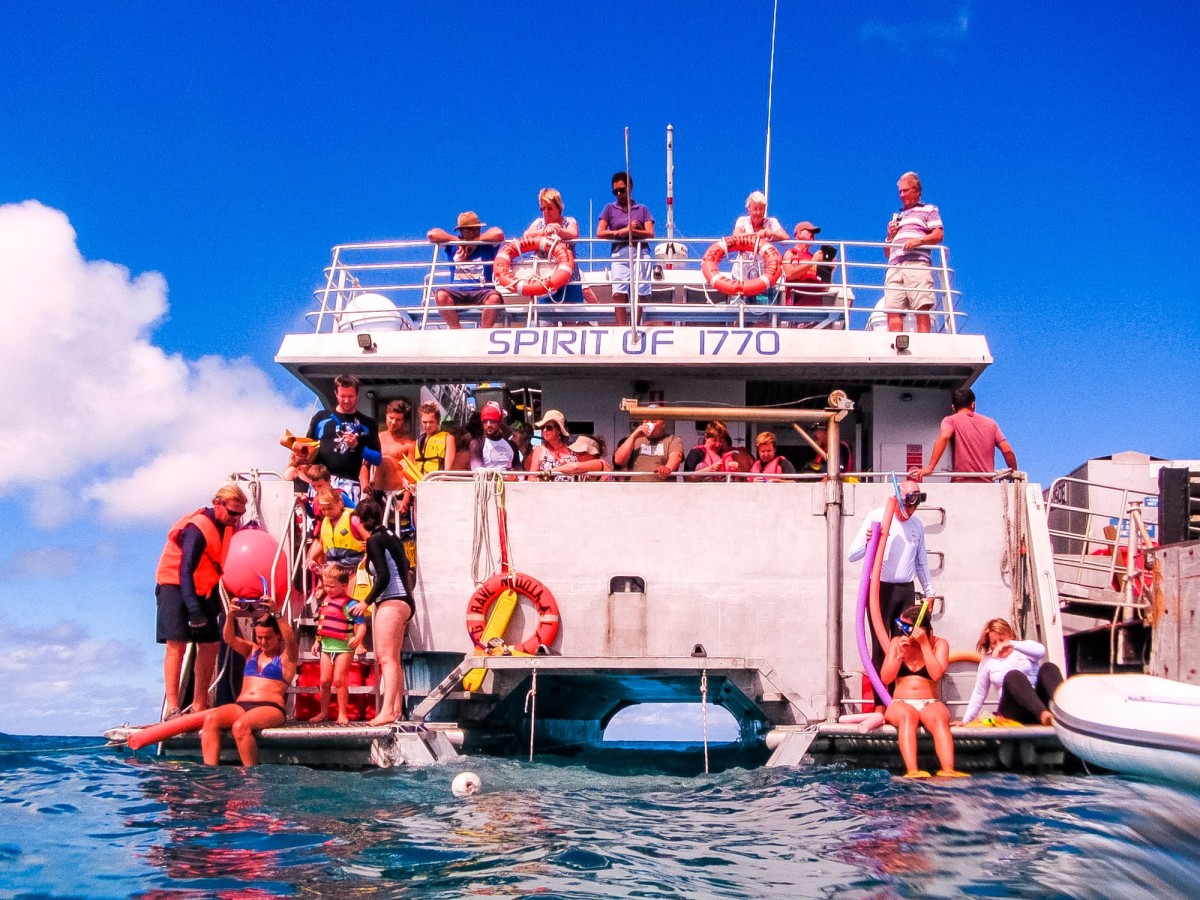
(77,820)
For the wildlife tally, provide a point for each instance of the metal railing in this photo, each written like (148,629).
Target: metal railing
(1078,513)
(392,285)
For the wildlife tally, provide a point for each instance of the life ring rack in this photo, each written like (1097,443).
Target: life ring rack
(741,243)
(526,586)
(557,250)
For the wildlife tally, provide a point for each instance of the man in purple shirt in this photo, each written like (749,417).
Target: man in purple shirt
(976,439)
(629,226)
(908,284)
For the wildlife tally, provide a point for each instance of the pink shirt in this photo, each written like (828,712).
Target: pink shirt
(975,441)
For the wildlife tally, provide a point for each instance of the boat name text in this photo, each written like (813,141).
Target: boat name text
(661,341)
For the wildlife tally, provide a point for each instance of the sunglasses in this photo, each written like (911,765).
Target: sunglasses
(620,190)
(906,628)
(235,513)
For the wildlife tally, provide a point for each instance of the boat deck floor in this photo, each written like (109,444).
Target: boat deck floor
(359,746)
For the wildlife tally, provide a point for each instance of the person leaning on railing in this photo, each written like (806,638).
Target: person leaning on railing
(552,223)
(975,439)
(747,266)
(472,269)
(649,449)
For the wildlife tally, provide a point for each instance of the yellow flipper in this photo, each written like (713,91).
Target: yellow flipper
(501,614)
(411,472)
(360,584)
(298,444)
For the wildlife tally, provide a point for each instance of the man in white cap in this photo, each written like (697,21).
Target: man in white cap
(472,253)
(493,450)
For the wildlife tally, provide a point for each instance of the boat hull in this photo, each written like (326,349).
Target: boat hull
(1133,724)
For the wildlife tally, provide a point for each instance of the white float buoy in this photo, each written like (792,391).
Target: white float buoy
(465,784)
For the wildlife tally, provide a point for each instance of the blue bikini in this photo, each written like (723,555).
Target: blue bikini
(273,670)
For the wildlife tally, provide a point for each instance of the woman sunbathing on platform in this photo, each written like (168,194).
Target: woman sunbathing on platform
(270,668)
(916,660)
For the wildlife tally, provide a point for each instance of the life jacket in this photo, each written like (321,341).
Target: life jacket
(339,535)
(431,452)
(774,467)
(332,621)
(723,462)
(208,570)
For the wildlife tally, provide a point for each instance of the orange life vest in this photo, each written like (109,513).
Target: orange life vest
(208,571)
(774,467)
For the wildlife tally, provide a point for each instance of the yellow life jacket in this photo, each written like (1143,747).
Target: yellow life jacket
(339,535)
(431,452)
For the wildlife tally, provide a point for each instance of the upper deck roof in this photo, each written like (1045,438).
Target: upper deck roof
(385,291)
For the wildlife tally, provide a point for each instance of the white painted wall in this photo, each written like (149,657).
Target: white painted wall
(739,568)
(901,424)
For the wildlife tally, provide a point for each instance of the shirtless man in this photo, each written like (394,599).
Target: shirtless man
(395,443)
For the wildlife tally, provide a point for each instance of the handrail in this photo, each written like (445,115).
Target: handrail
(407,273)
(698,477)
(1080,549)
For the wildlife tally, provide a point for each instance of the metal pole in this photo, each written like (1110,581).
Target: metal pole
(670,185)
(634,267)
(833,571)
(770,91)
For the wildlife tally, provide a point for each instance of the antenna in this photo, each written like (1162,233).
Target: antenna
(770,91)
(670,182)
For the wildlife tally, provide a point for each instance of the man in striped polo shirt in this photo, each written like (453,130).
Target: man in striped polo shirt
(908,284)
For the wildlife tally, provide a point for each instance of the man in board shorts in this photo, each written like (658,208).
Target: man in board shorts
(908,284)
(186,592)
(472,282)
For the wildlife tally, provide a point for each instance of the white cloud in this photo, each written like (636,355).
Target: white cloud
(122,423)
(910,35)
(40,562)
(64,681)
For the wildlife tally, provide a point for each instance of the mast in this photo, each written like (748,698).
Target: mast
(670,183)
(770,91)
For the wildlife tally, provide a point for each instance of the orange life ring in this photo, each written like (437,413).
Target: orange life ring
(966,656)
(525,586)
(557,250)
(742,243)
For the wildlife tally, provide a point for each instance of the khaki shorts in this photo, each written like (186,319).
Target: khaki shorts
(909,286)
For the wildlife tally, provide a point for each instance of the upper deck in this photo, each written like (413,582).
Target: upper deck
(376,316)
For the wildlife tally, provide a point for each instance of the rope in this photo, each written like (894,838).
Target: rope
(704,712)
(1010,559)
(531,711)
(482,557)
(255,504)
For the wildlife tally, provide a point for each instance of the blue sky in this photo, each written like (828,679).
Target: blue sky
(190,167)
